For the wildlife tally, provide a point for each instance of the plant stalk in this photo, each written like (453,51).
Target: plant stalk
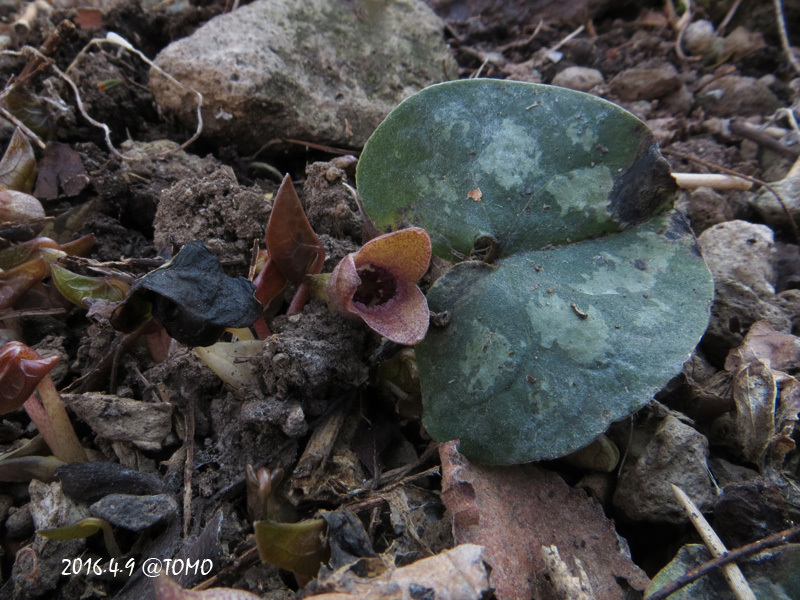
(53,422)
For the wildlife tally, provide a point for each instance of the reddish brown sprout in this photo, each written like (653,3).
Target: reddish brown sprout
(21,371)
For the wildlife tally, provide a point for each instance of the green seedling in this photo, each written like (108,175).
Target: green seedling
(83,529)
(578,293)
(378,284)
(297,547)
(191,296)
(22,371)
(80,289)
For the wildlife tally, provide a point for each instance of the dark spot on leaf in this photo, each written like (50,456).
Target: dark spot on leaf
(645,188)
(640,264)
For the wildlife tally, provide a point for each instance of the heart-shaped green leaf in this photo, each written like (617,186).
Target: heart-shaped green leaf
(594,297)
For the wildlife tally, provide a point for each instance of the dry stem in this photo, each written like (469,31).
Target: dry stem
(732,573)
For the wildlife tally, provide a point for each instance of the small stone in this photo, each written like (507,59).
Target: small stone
(677,455)
(708,208)
(135,513)
(699,38)
(736,96)
(742,252)
(769,207)
(582,79)
(645,84)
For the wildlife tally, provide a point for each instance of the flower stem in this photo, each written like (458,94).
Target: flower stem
(53,422)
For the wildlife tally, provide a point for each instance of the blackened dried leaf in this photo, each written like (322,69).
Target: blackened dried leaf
(88,482)
(191,297)
(347,538)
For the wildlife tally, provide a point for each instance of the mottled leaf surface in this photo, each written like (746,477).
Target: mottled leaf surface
(588,296)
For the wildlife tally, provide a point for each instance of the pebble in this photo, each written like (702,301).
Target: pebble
(582,79)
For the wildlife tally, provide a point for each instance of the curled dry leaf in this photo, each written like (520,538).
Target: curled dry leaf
(378,284)
(766,398)
(191,296)
(18,165)
(233,362)
(458,573)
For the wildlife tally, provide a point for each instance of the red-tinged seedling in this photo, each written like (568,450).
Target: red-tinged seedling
(261,486)
(22,371)
(15,282)
(378,284)
(294,250)
(297,547)
(30,249)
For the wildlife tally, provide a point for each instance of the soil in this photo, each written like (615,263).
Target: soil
(318,372)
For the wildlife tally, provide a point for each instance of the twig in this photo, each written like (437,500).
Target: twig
(118,40)
(731,11)
(741,129)
(566,585)
(776,539)
(690,181)
(188,467)
(24,128)
(732,572)
(764,184)
(572,35)
(683,23)
(787,47)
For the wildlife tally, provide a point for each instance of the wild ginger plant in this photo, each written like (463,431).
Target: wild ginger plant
(577,293)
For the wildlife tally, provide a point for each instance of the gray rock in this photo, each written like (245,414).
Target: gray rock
(328,71)
(742,252)
(769,207)
(135,513)
(740,256)
(582,79)
(735,96)
(645,84)
(676,454)
(700,38)
(736,307)
(708,208)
